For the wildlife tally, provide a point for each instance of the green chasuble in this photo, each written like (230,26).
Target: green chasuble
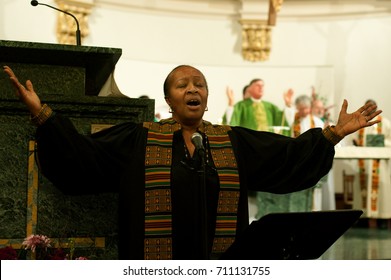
(245,115)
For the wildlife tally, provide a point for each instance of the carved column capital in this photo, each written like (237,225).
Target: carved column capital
(256,40)
(66,25)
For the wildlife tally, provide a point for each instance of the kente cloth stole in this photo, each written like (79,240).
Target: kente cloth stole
(158,215)
(375,172)
(260,116)
(297,125)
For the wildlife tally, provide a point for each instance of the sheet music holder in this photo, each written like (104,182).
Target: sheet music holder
(291,236)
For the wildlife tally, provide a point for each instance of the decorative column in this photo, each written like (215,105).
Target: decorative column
(66,25)
(256,33)
(256,40)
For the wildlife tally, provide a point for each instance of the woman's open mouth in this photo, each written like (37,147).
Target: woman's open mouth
(193,103)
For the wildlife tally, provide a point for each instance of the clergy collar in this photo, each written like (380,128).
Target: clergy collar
(256,100)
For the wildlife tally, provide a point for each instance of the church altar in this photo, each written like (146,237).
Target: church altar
(378,202)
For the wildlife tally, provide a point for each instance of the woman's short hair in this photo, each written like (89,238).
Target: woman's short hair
(167,81)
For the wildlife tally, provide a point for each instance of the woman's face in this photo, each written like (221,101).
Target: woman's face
(187,95)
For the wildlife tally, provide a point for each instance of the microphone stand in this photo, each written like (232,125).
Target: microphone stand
(204,210)
(78,34)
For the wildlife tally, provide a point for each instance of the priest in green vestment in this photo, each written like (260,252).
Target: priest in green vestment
(257,114)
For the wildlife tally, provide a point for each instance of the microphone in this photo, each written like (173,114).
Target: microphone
(196,139)
(78,39)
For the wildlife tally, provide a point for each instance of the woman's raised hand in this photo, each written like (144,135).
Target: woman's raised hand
(363,117)
(25,93)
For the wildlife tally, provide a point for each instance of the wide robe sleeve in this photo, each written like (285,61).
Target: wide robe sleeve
(78,163)
(279,164)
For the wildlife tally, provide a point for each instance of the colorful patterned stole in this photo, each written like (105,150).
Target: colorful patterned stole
(297,125)
(375,173)
(158,215)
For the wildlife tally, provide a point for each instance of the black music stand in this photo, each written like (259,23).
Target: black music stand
(291,236)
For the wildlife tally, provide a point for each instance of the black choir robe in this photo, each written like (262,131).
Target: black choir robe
(113,161)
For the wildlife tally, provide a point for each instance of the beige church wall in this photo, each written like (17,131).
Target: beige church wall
(213,45)
(355,49)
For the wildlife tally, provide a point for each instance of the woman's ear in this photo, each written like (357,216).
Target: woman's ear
(168,101)
(169,105)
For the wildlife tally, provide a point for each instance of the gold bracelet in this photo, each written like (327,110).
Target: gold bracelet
(43,115)
(331,135)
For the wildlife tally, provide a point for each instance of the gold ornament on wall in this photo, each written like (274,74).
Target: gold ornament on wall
(257,34)
(256,40)
(66,24)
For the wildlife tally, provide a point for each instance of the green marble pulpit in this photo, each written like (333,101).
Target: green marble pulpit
(61,69)
(69,79)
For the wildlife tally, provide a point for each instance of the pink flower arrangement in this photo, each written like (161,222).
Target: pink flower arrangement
(36,241)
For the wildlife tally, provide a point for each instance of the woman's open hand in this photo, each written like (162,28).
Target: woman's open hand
(25,93)
(363,117)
